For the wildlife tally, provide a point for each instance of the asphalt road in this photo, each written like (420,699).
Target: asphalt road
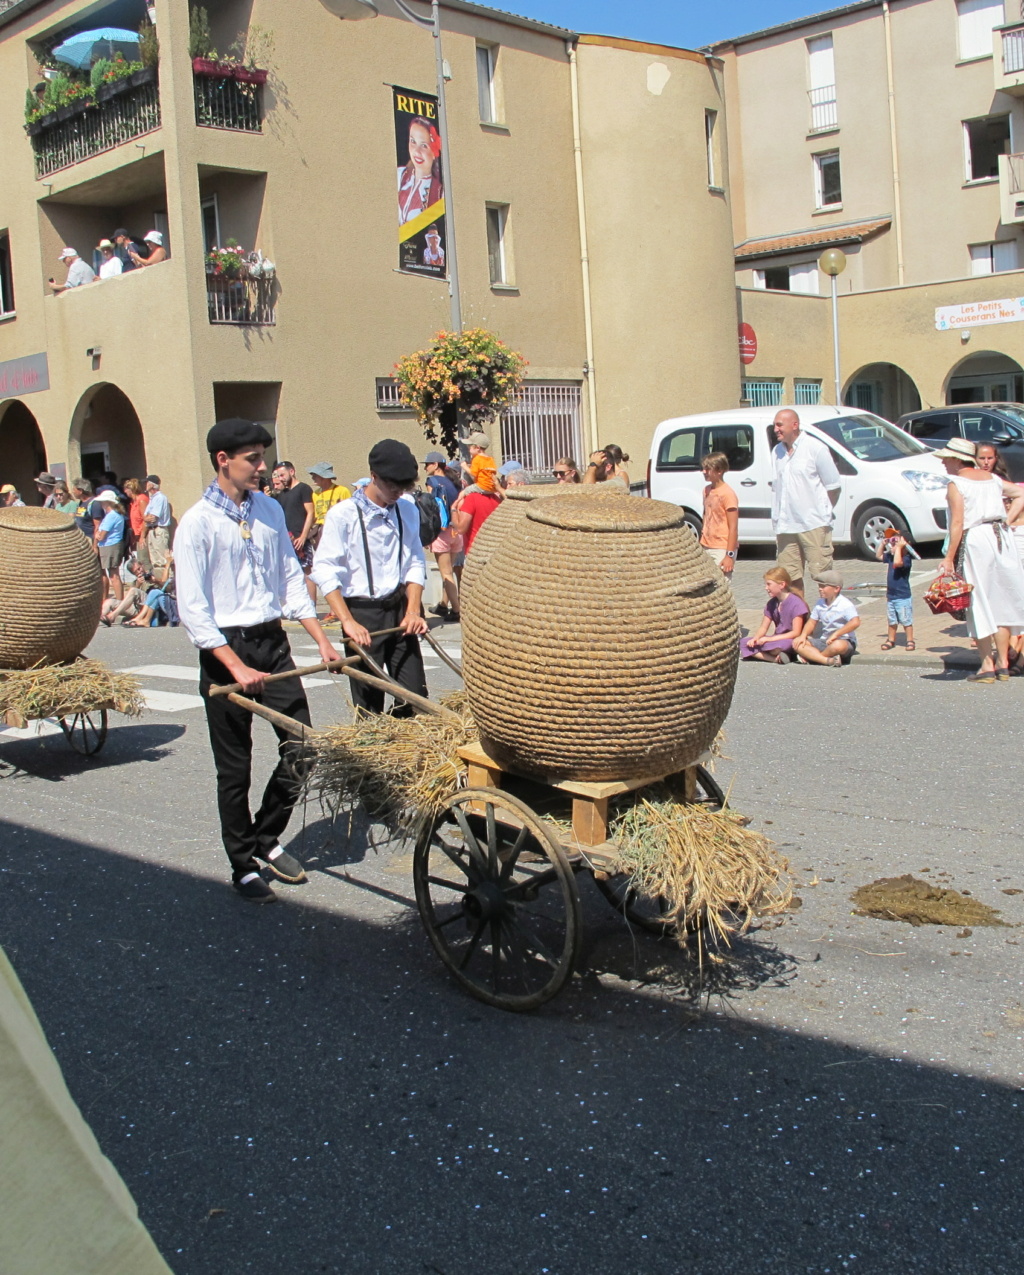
(301,1089)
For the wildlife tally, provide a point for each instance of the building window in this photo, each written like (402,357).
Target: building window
(985,140)
(387,395)
(801,278)
(497,256)
(762,393)
(822,73)
(710,121)
(542,426)
(993,258)
(486,59)
(828,191)
(806,393)
(6,275)
(975,20)
(211,223)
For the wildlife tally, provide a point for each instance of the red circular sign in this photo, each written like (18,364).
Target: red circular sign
(748,343)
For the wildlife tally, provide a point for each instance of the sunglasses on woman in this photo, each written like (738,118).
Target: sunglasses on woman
(560,473)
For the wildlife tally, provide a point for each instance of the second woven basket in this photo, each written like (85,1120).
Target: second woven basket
(599,641)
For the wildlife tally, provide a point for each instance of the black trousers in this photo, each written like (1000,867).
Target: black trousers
(398,653)
(264,648)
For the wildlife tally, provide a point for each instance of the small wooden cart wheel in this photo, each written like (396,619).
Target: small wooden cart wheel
(647,911)
(497,897)
(85,732)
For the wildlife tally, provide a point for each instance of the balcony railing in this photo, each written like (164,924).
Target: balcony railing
(228,97)
(88,130)
(1013,50)
(241,301)
(824,109)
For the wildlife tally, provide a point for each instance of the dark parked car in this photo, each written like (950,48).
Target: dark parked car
(999,423)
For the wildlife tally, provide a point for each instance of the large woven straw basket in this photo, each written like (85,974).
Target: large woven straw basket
(512,509)
(573,673)
(49,588)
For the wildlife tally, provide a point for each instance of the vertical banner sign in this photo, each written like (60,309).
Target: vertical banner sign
(422,242)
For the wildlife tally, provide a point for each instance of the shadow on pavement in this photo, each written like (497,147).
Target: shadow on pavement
(52,758)
(299,1090)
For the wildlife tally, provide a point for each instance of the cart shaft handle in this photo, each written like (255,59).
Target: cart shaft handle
(335,666)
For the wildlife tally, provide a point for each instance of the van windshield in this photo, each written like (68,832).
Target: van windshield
(870,438)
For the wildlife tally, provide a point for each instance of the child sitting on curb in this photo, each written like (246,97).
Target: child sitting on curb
(785,611)
(838,618)
(898,555)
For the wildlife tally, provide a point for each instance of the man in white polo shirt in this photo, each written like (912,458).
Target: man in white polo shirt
(805,488)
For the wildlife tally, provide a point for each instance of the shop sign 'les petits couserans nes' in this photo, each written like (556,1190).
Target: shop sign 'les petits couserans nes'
(978,313)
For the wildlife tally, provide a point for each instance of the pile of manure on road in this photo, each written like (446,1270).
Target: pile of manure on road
(918,902)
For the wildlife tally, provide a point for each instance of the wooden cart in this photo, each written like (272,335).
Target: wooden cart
(85,732)
(495,868)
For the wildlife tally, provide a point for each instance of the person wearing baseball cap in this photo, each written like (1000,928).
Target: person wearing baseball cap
(370,567)
(836,640)
(327,491)
(111,264)
(477,444)
(79,271)
(237,579)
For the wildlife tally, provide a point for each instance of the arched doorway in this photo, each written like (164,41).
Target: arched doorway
(986,377)
(106,434)
(882,388)
(22,454)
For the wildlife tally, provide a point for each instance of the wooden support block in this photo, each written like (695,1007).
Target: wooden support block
(590,820)
(690,783)
(481,776)
(11,718)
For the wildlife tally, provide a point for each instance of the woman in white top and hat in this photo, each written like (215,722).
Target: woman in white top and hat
(981,544)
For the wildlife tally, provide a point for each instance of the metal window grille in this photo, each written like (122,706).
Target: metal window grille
(388,397)
(1013,50)
(97,128)
(807,393)
(543,425)
(241,301)
(227,103)
(824,108)
(763,393)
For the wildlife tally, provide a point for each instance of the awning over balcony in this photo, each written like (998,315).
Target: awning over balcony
(824,237)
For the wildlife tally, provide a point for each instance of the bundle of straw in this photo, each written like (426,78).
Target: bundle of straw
(62,690)
(401,768)
(711,870)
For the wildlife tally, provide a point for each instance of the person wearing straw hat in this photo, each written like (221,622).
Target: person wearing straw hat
(237,579)
(111,264)
(982,546)
(370,567)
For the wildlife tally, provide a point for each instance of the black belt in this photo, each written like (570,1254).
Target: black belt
(386,599)
(253,630)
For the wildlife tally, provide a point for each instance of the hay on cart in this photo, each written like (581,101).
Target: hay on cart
(64,690)
(713,871)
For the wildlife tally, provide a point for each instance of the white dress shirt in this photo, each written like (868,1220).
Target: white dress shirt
(218,587)
(340,558)
(801,481)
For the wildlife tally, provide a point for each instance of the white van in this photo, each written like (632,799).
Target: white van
(889,478)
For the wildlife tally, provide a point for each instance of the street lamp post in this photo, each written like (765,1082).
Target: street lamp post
(833,262)
(354,10)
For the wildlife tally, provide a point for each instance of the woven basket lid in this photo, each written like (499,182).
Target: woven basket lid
(615,513)
(35,520)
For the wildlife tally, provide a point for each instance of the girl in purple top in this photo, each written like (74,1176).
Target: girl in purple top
(786,611)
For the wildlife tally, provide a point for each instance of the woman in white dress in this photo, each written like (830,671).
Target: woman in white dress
(981,544)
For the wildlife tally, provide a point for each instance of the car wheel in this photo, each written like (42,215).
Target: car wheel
(871,524)
(693,521)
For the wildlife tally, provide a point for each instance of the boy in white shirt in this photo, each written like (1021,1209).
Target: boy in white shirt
(836,640)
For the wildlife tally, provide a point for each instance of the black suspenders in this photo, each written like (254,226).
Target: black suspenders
(366,546)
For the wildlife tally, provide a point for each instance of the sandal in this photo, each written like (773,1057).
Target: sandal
(1002,674)
(911,646)
(887,645)
(834,661)
(982,676)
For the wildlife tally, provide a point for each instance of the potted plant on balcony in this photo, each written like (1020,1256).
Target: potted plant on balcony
(111,76)
(228,263)
(463,376)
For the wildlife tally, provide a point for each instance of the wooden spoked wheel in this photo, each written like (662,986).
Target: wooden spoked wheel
(498,899)
(646,911)
(85,732)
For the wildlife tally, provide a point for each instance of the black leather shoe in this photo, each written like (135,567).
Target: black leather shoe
(255,890)
(284,866)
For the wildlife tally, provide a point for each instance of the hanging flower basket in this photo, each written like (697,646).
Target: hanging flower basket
(228,71)
(471,372)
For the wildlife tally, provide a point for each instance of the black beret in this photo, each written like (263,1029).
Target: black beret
(394,461)
(234,434)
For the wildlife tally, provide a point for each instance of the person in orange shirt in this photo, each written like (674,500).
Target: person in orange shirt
(721,512)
